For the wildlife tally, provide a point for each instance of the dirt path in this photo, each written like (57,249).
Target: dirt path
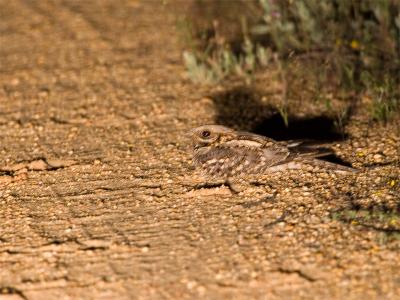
(98,197)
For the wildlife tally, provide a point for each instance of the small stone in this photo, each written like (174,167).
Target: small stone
(58,163)
(13,168)
(38,165)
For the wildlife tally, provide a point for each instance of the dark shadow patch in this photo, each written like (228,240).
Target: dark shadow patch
(336,160)
(322,128)
(241,108)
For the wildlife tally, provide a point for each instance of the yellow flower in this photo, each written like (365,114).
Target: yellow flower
(392,183)
(355,45)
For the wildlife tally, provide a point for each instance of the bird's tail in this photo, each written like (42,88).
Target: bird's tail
(312,164)
(330,166)
(316,155)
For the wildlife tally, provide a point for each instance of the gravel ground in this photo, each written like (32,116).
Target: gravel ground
(98,197)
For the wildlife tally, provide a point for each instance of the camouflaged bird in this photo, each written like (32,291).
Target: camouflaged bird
(224,153)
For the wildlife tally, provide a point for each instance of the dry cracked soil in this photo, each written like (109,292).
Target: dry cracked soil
(98,198)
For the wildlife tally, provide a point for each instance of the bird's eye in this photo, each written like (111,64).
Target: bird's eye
(205,133)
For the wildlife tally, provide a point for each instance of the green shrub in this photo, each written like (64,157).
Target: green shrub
(343,45)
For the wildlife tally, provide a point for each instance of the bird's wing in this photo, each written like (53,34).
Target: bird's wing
(241,135)
(216,155)
(260,150)
(276,154)
(221,160)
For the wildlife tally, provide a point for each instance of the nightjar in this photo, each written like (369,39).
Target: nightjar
(224,153)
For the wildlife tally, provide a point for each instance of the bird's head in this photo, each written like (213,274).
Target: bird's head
(208,135)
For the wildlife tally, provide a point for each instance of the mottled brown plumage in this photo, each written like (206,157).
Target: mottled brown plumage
(224,153)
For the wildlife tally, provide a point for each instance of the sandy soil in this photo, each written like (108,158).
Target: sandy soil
(98,198)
